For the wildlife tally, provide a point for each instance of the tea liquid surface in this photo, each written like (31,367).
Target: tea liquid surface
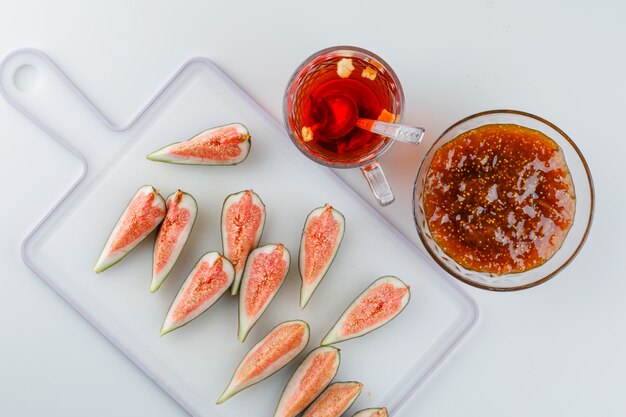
(332,99)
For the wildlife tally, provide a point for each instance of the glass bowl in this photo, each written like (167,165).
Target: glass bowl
(583,185)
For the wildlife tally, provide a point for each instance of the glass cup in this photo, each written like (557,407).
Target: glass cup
(368,70)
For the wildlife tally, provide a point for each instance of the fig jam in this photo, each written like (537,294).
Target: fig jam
(499,198)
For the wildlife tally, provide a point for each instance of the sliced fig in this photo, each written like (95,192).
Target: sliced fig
(377,305)
(243,219)
(172,236)
(372,412)
(281,345)
(321,237)
(308,381)
(222,145)
(144,213)
(206,283)
(265,272)
(335,400)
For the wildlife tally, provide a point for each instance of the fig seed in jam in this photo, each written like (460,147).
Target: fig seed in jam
(499,198)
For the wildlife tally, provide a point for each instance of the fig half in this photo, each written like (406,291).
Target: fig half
(265,272)
(377,305)
(372,412)
(243,219)
(321,237)
(308,381)
(281,345)
(207,282)
(222,145)
(335,400)
(142,215)
(182,210)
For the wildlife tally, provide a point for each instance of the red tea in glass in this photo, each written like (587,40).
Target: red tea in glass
(326,96)
(333,94)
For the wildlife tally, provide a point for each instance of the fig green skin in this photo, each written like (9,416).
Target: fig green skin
(303,306)
(233,290)
(232,394)
(157,195)
(157,159)
(245,335)
(324,342)
(305,358)
(368,412)
(153,290)
(172,303)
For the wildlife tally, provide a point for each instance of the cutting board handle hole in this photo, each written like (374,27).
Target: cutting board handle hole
(27,78)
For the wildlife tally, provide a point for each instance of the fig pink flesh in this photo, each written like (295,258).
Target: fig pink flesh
(320,243)
(206,282)
(378,305)
(317,376)
(267,272)
(243,220)
(280,343)
(334,400)
(219,145)
(176,219)
(141,217)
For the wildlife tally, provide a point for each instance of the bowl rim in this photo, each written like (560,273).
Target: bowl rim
(551,274)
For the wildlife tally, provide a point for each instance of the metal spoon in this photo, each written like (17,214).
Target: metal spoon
(402,133)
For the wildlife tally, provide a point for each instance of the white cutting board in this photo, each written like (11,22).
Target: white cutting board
(194,363)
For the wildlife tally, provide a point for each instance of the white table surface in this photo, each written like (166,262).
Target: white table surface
(554,350)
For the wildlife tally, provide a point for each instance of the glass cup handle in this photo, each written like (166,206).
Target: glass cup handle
(378,183)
